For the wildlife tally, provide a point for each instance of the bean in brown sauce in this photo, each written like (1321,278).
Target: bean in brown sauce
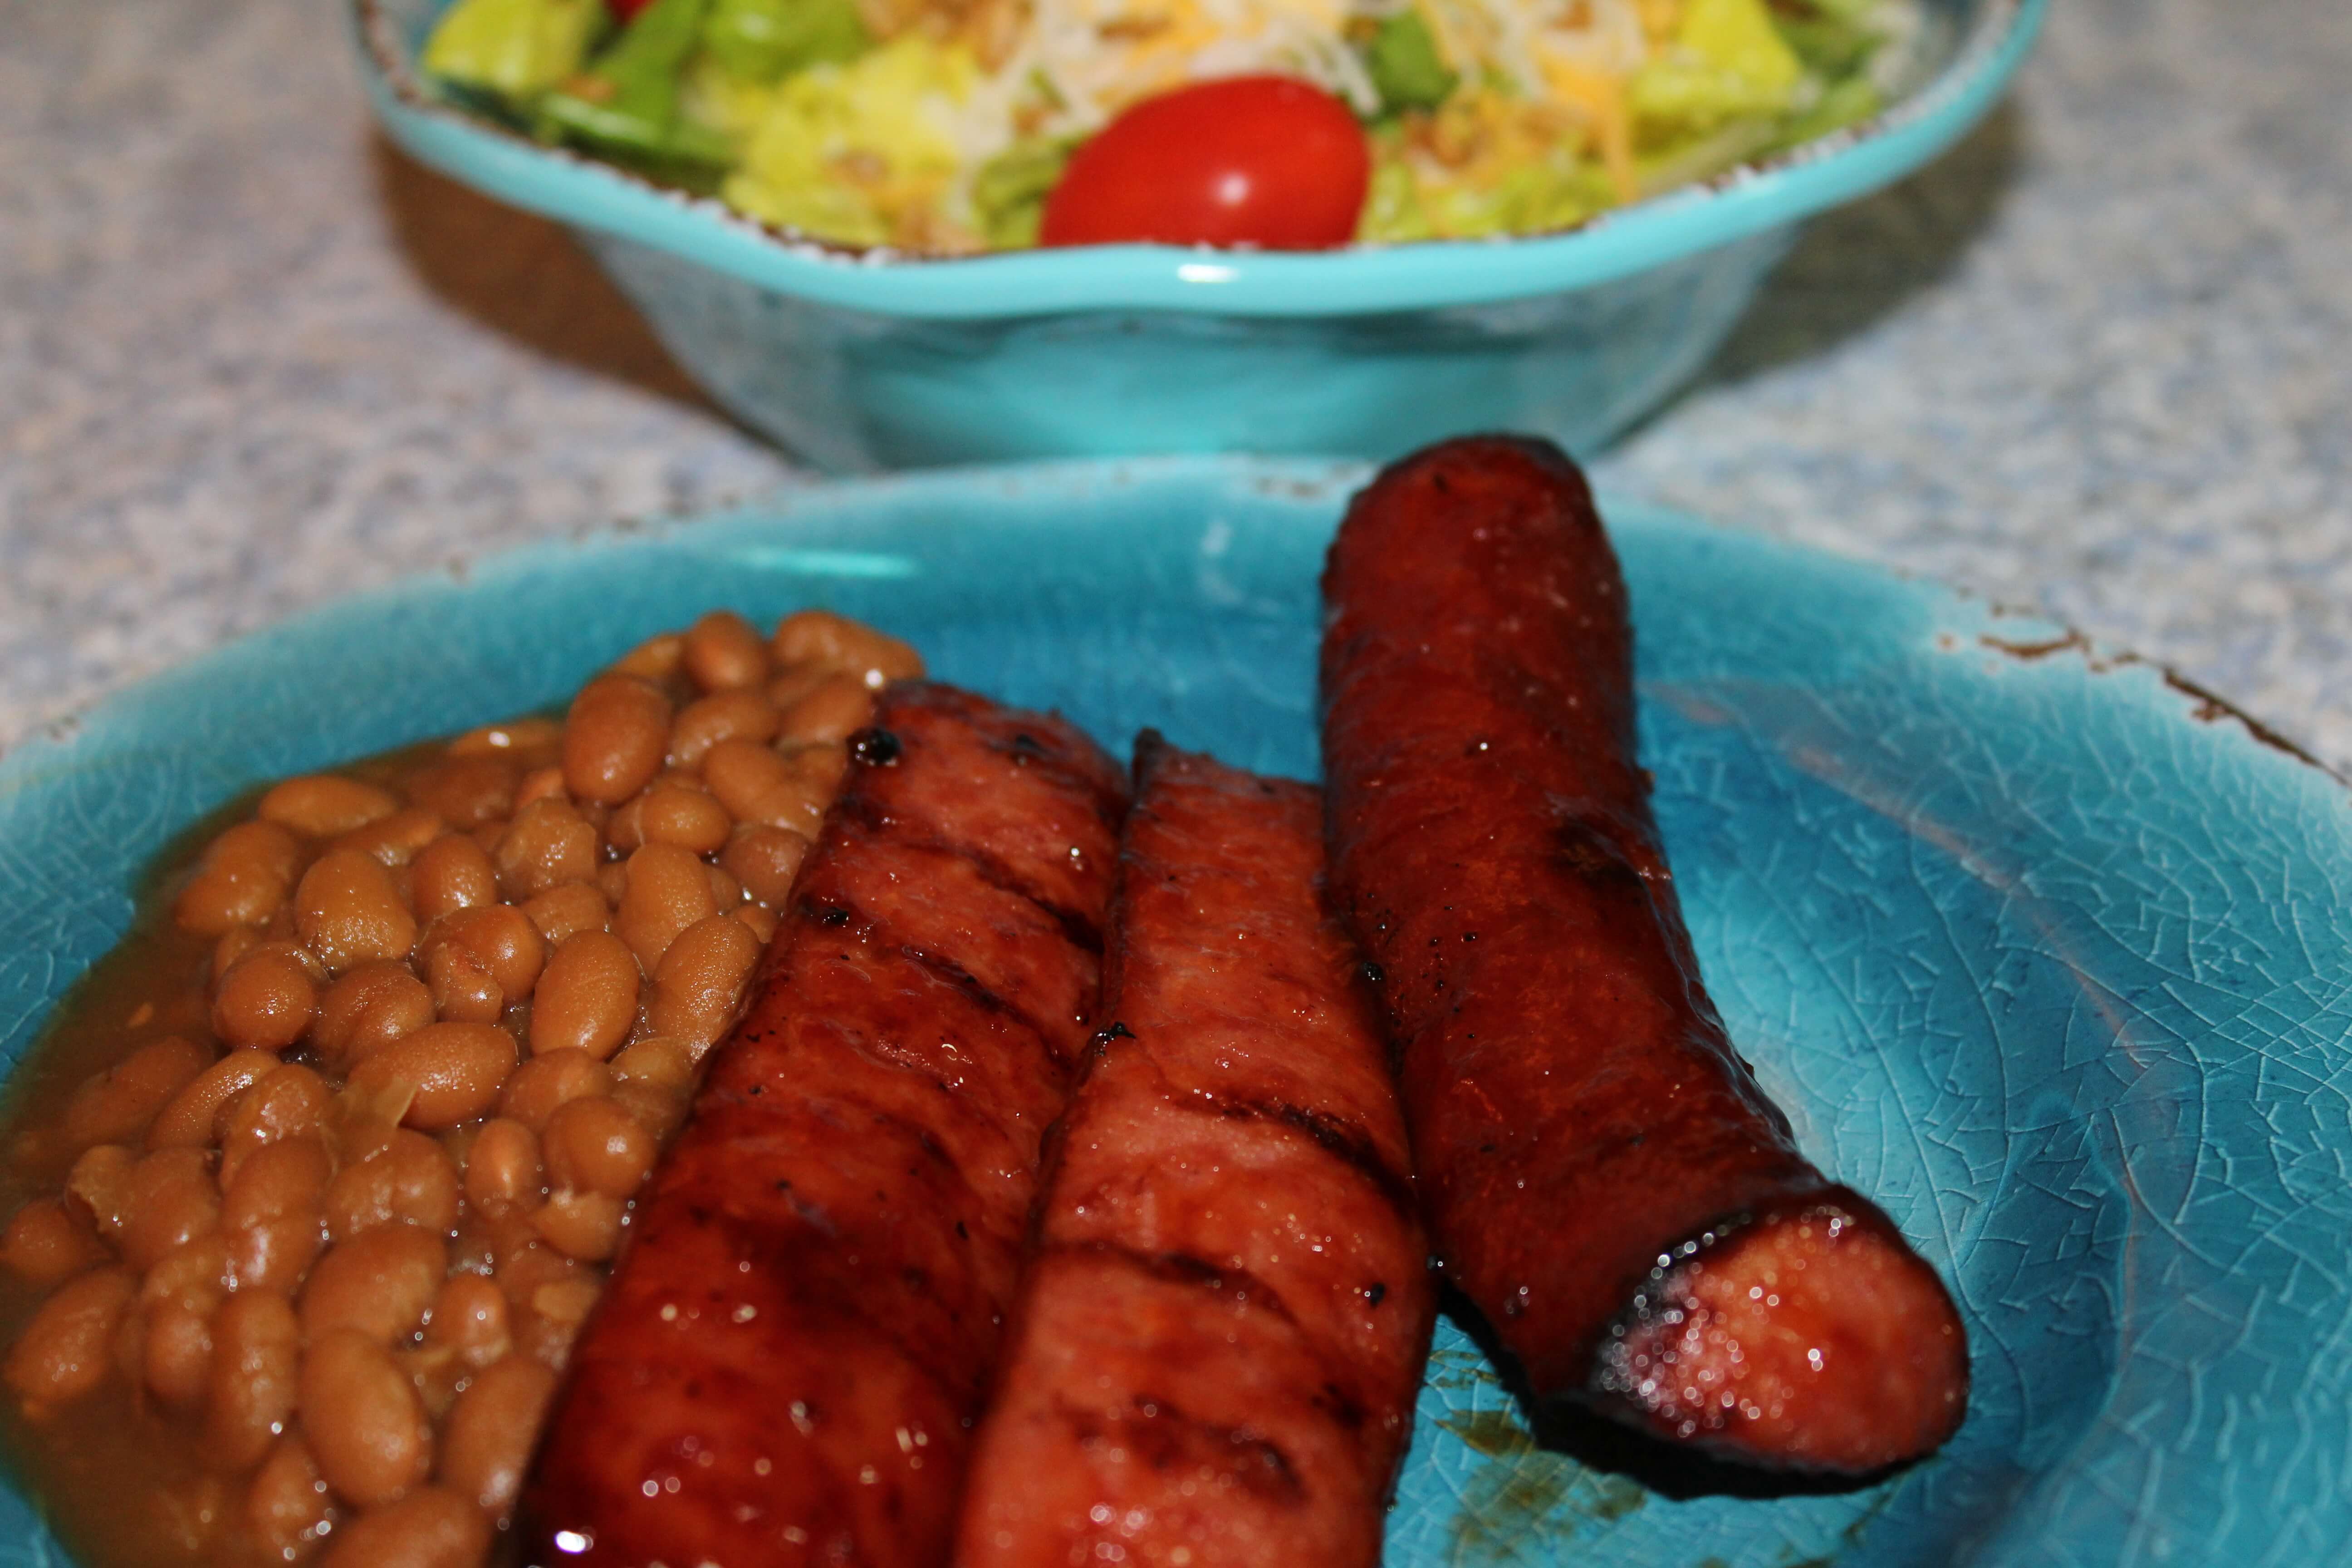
(315,1131)
(431,1527)
(47,1243)
(319,805)
(587,997)
(116,1106)
(363,1418)
(62,1353)
(266,999)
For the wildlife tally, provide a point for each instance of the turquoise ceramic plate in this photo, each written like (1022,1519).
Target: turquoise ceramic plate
(2051,955)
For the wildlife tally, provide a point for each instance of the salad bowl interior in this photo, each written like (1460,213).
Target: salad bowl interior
(860,360)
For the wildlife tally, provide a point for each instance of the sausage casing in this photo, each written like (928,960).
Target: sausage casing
(791,1351)
(1221,1336)
(1602,1176)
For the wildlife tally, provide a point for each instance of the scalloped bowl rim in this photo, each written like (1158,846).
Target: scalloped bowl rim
(576,189)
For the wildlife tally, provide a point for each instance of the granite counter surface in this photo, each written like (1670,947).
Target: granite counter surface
(2097,362)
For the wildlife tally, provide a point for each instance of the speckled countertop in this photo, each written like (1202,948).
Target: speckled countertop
(2097,362)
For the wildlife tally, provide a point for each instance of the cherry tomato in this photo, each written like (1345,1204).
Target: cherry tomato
(1268,161)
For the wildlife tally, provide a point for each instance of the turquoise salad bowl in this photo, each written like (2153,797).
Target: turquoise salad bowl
(861,361)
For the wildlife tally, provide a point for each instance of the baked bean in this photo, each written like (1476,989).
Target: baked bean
(721,716)
(557,1314)
(364,1423)
(549,1080)
(197,1276)
(288,1102)
(467,790)
(500,939)
(242,878)
(470,1319)
(502,1167)
(765,860)
(463,991)
(724,652)
(452,873)
(257,1358)
(99,1182)
(276,1180)
(188,1121)
(821,764)
(690,818)
(593,1146)
(232,946)
(430,1527)
(451,1072)
(657,1060)
(492,1429)
(168,1200)
(286,1507)
(669,889)
(319,805)
(757,784)
(540,784)
(273,1254)
(547,845)
(760,921)
(380,1283)
(396,840)
(516,736)
(366,1010)
(46,1243)
(699,988)
(587,998)
(63,1353)
(267,1000)
(845,647)
(614,738)
(349,913)
(625,829)
(655,1109)
(560,913)
(656,659)
(834,712)
(179,1355)
(582,1225)
(410,1178)
(116,1106)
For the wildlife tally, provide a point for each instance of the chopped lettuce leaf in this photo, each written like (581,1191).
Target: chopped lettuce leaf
(1402,60)
(1849,103)
(1392,214)
(1008,191)
(766,40)
(515,48)
(629,97)
(1829,46)
(850,152)
(1507,172)
(1728,60)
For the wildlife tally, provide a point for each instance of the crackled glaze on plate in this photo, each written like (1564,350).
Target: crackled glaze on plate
(2044,953)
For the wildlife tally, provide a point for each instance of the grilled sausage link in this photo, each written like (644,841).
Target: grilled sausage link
(793,1348)
(1602,1175)
(1222,1331)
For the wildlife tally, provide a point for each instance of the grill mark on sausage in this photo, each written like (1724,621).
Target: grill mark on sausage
(1239,1286)
(1335,1135)
(873,933)
(1166,1438)
(869,816)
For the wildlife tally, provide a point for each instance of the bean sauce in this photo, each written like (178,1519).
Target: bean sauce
(310,1186)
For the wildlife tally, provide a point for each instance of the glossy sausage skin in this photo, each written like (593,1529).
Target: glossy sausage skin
(793,1348)
(1222,1334)
(1602,1175)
